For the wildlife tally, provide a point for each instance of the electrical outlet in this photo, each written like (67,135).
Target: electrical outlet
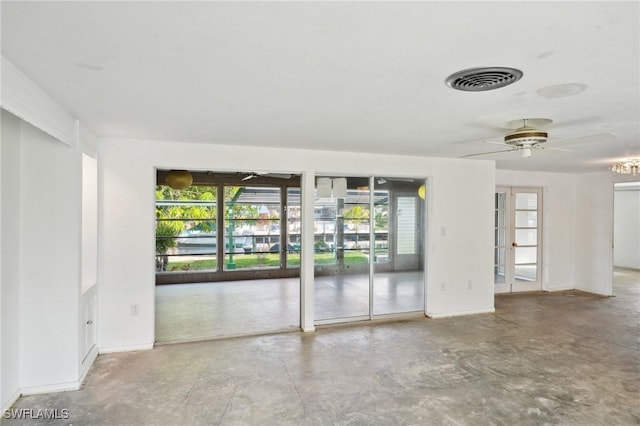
(442,285)
(135,310)
(469,285)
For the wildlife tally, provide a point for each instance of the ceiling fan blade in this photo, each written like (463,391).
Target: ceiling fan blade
(485,136)
(575,122)
(553,149)
(280,175)
(597,138)
(497,143)
(267,174)
(401,179)
(487,153)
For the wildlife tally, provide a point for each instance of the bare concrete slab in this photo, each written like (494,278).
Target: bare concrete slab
(568,358)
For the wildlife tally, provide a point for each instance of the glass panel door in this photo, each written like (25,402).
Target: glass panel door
(501,271)
(517,249)
(525,240)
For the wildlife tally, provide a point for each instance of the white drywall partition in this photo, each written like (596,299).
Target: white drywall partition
(50,247)
(10,260)
(460,198)
(626,227)
(594,241)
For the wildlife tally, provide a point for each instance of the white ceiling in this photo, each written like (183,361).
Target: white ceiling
(362,76)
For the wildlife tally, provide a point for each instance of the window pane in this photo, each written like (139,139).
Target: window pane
(526,219)
(526,201)
(381,226)
(501,200)
(294,227)
(526,237)
(526,273)
(500,218)
(186,222)
(252,227)
(406,225)
(525,255)
(499,256)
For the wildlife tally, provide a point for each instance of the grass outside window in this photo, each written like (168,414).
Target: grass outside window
(245,261)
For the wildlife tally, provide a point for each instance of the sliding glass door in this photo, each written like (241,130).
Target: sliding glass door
(341,249)
(398,279)
(369,247)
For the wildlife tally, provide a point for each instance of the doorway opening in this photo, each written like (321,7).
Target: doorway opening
(626,238)
(227,255)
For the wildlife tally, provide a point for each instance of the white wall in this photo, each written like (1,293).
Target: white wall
(594,220)
(460,202)
(626,229)
(558,223)
(50,241)
(10,260)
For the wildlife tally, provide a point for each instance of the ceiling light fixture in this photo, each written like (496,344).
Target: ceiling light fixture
(179,179)
(422,192)
(630,166)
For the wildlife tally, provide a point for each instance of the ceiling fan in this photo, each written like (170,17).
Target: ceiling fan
(526,135)
(253,175)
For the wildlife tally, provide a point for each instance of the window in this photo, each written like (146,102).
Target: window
(252,227)
(186,226)
(221,226)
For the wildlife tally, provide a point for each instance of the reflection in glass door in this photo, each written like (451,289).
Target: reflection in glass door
(517,239)
(341,249)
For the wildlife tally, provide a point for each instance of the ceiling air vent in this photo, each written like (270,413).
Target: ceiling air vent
(481,79)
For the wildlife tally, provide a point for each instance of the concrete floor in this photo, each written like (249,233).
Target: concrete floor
(568,358)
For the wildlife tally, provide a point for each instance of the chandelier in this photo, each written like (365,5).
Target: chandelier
(629,166)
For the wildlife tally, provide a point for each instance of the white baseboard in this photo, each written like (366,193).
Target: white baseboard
(56,387)
(132,348)
(554,289)
(12,400)
(436,315)
(87,363)
(589,290)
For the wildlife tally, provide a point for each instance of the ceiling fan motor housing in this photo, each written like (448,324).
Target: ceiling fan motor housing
(526,137)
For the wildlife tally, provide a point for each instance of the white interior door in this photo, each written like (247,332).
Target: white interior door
(517,243)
